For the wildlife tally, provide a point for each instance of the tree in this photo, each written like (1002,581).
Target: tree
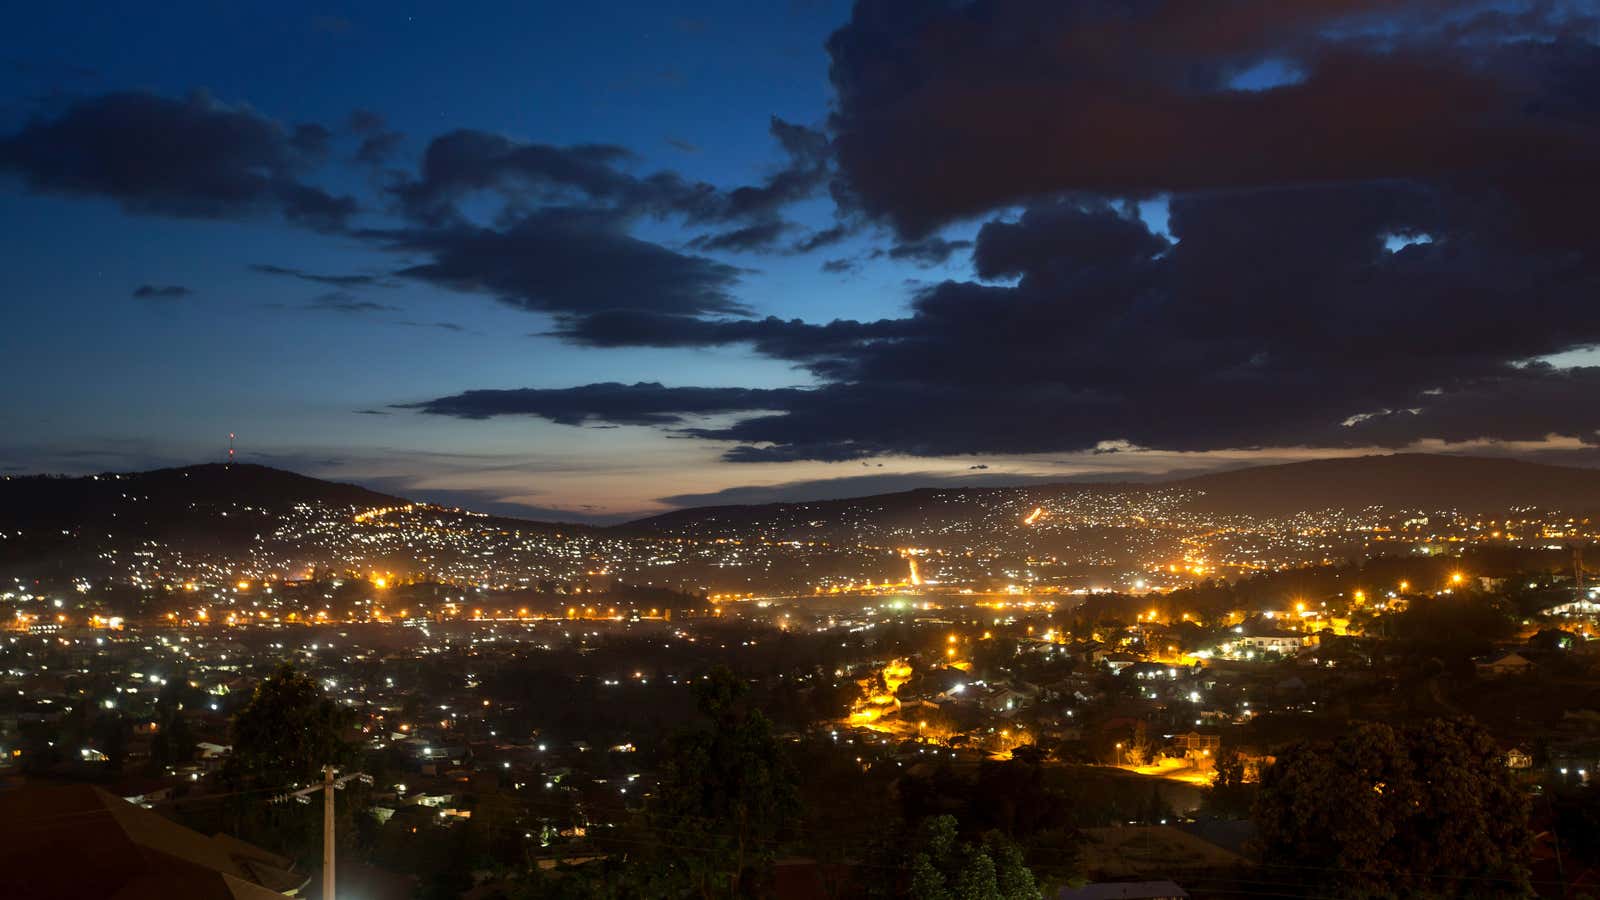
(1577,826)
(1230,796)
(946,868)
(726,790)
(1552,639)
(286,733)
(1426,809)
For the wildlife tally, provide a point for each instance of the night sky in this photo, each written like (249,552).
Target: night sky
(595,260)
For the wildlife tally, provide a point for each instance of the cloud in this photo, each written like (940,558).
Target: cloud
(790,339)
(928,251)
(443,326)
(1064,233)
(342,302)
(760,237)
(644,403)
(196,158)
(1273,308)
(564,260)
(825,237)
(1271,319)
(378,142)
(333,280)
(161,292)
(948,111)
(464,163)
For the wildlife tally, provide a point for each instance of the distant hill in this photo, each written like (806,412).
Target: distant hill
(1401,480)
(909,508)
(1398,481)
(160,497)
(190,501)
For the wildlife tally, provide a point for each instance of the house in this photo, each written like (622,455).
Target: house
(1518,758)
(1508,663)
(1198,744)
(1119,661)
(1006,700)
(1149,670)
(1089,652)
(111,848)
(1285,643)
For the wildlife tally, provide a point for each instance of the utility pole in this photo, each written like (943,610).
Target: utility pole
(327,833)
(327,787)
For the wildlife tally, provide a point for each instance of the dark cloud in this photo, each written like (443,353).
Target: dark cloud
(825,237)
(161,292)
(928,251)
(194,158)
(1064,235)
(563,260)
(464,163)
(1367,240)
(806,171)
(644,403)
(791,339)
(378,142)
(376,149)
(442,326)
(1524,403)
(365,121)
(345,281)
(343,302)
(461,163)
(947,111)
(1277,317)
(682,145)
(839,266)
(757,238)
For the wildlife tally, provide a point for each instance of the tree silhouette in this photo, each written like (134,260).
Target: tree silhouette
(286,733)
(946,868)
(1425,809)
(726,790)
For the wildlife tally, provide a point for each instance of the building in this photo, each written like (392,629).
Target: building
(1510,663)
(1198,743)
(1285,643)
(64,842)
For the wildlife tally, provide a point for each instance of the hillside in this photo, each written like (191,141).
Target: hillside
(1401,480)
(161,497)
(1397,481)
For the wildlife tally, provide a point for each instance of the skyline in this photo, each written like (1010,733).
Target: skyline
(595,263)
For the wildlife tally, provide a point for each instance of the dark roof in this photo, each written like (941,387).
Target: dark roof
(71,841)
